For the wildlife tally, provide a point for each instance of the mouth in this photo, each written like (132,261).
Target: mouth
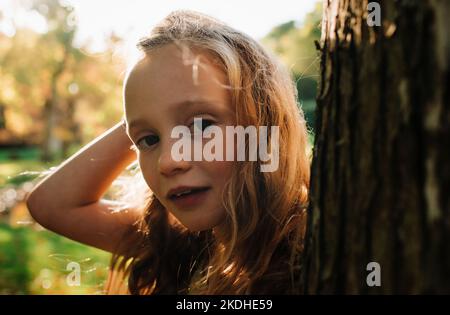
(188,196)
(185,191)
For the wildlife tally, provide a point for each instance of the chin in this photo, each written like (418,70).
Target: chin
(199,224)
(196,227)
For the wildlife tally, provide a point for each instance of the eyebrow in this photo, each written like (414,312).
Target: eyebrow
(191,103)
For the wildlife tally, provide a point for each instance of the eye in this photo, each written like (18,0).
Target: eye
(201,124)
(146,142)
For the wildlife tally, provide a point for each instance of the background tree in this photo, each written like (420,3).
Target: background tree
(43,64)
(381,175)
(294,44)
(55,93)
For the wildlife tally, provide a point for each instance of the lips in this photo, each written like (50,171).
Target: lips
(182,191)
(188,197)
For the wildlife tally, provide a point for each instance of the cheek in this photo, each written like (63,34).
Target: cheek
(221,171)
(149,172)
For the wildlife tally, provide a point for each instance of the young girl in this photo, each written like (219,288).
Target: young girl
(207,227)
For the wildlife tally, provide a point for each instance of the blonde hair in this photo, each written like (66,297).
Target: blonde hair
(261,248)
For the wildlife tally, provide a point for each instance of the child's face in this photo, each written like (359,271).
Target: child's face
(163,92)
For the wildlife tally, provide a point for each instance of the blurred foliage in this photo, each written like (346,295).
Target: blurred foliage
(294,44)
(45,76)
(34,261)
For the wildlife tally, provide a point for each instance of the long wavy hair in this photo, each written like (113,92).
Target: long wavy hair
(260,249)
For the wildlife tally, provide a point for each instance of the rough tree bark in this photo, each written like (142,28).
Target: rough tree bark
(380,182)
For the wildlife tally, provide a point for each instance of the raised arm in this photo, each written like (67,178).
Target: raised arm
(68,201)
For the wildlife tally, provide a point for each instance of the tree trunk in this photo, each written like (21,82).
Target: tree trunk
(51,145)
(2,117)
(380,182)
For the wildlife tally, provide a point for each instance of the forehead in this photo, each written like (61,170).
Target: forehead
(172,75)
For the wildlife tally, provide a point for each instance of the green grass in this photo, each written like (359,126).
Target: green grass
(17,172)
(26,164)
(35,262)
(19,153)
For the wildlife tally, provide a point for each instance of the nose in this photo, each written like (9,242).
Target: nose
(167,165)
